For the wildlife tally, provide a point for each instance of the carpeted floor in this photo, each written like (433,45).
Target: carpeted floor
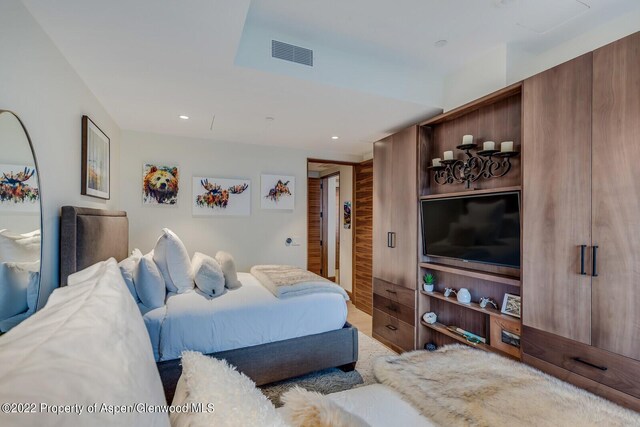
(334,380)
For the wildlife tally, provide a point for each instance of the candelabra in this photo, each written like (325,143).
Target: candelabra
(487,164)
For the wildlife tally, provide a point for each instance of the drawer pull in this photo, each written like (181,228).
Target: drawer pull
(582,250)
(391,307)
(393,328)
(602,368)
(390,291)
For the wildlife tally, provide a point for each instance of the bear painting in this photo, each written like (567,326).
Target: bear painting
(160,185)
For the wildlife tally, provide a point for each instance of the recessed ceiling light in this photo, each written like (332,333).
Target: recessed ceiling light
(334,137)
(183,117)
(441,43)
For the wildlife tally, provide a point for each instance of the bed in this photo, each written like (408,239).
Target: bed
(306,339)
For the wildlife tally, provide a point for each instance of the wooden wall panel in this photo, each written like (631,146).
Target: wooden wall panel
(616,197)
(363,229)
(314,225)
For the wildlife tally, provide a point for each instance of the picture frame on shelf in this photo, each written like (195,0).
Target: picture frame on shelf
(512,305)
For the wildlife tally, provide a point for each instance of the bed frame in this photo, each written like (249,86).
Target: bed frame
(88,236)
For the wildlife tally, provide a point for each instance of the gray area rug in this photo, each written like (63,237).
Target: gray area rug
(334,380)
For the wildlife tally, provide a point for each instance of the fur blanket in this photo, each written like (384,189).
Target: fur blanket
(287,281)
(460,386)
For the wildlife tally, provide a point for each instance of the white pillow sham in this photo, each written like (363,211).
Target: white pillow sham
(172,259)
(14,282)
(228,266)
(19,247)
(149,283)
(237,400)
(128,268)
(207,274)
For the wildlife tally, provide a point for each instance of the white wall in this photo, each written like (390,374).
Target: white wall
(257,239)
(39,85)
(346,236)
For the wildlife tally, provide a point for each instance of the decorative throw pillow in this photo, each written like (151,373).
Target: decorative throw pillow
(32,291)
(19,247)
(228,266)
(207,274)
(128,268)
(149,283)
(172,259)
(304,408)
(13,292)
(236,400)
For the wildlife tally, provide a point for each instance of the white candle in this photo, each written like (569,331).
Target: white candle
(489,145)
(467,139)
(448,155)
(506,146)
(436,162)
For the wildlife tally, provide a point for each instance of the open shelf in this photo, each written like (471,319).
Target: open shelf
(482,275)
(439,327)
(472,306)
(472,192)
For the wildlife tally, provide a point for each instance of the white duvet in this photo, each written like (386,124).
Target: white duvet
(243,317)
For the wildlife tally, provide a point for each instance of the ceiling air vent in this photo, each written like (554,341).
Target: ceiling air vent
(289,52)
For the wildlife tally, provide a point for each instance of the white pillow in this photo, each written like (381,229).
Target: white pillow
(149,283)
(19,248)
(228,266)
(32,291)
(128,268)
(14,281)
(172,259)
(207,274)
(236,400)
(304,408)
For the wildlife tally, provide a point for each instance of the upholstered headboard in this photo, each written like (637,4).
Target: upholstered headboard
(88,236)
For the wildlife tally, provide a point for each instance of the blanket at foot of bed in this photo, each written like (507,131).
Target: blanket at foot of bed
(287,281)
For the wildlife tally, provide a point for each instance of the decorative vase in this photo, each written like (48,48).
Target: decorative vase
(464,296)
(428,288)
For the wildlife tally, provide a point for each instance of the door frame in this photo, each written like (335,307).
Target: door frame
(353,223)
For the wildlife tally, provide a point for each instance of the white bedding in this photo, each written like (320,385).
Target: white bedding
(243,317)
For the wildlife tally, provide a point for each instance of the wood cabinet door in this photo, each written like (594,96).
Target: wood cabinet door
(556,203)
(404,208)
(382,201)
(616,197)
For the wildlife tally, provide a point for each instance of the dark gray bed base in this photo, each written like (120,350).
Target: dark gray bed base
(88,236)
(267,363)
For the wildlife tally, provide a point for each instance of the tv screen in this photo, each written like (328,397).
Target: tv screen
(483,228)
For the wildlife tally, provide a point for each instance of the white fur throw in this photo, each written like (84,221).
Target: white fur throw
(461,386)
(304,408)
(236,400)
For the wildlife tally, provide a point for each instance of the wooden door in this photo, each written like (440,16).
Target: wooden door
(382,207)
(363,229)
(556,203)
(314,225)
(403,208)
(616,197)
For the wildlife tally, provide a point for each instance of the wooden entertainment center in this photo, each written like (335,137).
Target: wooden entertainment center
(576,127)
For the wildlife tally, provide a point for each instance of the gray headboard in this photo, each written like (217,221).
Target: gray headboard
(88,236)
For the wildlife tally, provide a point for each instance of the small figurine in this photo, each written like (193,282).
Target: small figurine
(430,318)
(449,291)
(430,346)
(486,300)
(464,296)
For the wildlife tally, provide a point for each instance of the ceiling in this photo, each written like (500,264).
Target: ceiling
(376,68)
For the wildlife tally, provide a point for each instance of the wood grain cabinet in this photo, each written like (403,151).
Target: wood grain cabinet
(395,236)
(581,219)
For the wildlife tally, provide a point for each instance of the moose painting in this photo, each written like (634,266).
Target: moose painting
(220,196)
(19,188)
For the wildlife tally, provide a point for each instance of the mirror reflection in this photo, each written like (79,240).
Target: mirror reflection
(20,235)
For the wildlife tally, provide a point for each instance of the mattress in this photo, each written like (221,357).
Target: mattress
(243,317)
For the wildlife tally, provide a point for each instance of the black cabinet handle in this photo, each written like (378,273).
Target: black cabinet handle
(594,270)
(583,248)
(391,307)
(602,368)
(389,239)
(393,328)
(391,292)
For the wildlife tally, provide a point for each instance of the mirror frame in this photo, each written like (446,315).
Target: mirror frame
(42,233)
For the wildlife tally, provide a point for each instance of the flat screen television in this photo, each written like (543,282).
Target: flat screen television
(482,228)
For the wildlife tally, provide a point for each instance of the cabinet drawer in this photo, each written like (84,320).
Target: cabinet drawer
(393,330)
(395,293)
(621,373)
(394,309)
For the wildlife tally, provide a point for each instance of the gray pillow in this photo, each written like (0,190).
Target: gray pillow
(149,283)
(128,268)
(228,266)
(208,275)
